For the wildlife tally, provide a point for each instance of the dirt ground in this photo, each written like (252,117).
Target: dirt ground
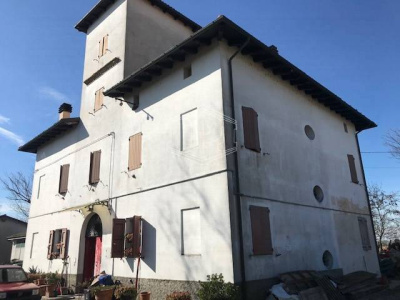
(391,293)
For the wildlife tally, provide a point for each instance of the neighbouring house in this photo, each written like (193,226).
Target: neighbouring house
(9,226)
(200,150)
(17,247)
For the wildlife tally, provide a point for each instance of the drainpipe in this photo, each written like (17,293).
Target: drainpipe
(236,172)
(366,192)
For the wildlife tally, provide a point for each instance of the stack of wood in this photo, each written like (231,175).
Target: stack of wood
(359,284)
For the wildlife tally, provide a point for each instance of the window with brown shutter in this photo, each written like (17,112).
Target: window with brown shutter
(103,46)
(94,176)
(64,241)
(63,185)
(250,129)
(352,166)
(261,230)
(363,225)
(133,237)
(50,245)
(99,97)
(118,238)
(135,152)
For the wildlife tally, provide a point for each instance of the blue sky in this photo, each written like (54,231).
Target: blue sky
(351,47)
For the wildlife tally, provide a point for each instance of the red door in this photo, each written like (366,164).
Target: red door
(97,256)
(90,248)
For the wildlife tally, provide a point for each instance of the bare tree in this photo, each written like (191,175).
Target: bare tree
(385,213)
(393,142)
(19,190)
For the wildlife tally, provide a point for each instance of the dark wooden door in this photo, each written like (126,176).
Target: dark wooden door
(90,251)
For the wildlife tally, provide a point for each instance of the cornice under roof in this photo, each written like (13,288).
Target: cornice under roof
(268,57)
(103,5)
(62,126)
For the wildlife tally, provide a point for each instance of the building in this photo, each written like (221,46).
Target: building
(9,226)
(17,247)
(202,149)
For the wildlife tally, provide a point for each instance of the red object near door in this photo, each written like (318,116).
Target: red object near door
(97,256)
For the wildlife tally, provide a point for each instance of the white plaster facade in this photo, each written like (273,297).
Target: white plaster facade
(169,182)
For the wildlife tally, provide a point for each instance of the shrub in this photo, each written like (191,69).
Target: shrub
(216,289)
(179,296)
(33,270)
(95,290)
(125,291)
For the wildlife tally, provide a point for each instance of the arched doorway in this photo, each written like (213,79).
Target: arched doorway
(93,242)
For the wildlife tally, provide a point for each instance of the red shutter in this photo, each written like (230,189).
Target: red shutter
(250,129)
(352,166)
(261,230)
(50,244)
(64,241)
(94,176)
(118,238)
(64,173)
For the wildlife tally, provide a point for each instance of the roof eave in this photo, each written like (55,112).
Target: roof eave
(261,53)
(61,127)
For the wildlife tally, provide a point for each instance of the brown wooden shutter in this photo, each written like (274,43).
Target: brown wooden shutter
(352,166)
(94,176)
(137,236)
(250,129)
(105,44)
(135,152)
(363,225)
(101,46)
(50,244)
(64,174)
(99,97)
(118,238)
(64,241)
(261,230)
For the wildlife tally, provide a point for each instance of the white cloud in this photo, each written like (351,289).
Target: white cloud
(53,94)
(4,119)
(11,136)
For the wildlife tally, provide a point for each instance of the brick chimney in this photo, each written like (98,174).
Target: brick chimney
(65,111)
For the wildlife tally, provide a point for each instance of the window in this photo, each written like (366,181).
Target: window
(261,230)
(127,237)
(57,247)
(187,72)
(94,175)
(189,130)
(345,127)
(103,46)
(309,132)
(191,231)
(352,166)
(99,97)
(63,184)
(363,225)
(40,184)
(33,244)
(135,152)
(250,129)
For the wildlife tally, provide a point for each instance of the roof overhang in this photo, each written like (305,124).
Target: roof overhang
(102,6)
(267,56)
(62,126)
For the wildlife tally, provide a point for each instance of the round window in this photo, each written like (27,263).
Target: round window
(327,259)
(318,193)
(309,132)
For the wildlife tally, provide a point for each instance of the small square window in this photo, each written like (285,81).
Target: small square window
(187,72)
